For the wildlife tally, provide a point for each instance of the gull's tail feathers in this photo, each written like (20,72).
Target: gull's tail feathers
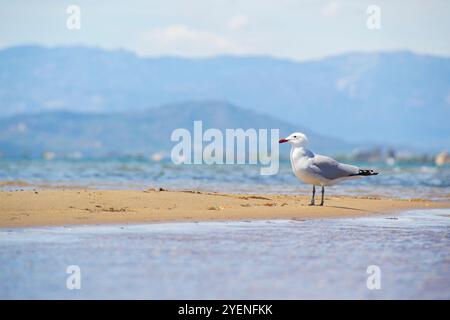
(365,172)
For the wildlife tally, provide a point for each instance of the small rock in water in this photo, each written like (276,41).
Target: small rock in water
(154,190)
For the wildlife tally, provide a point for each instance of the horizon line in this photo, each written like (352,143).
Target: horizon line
(224,55)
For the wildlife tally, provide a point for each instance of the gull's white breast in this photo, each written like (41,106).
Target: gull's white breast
(301,168)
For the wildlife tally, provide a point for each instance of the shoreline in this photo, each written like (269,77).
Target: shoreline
(62,207)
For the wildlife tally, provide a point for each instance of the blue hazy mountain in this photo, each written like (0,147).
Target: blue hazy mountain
(397,98)
(141,133)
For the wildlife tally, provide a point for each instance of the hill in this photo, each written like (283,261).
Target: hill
(395,98)
(141,133)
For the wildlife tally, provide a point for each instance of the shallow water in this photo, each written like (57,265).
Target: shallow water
(404,181)
(320,258)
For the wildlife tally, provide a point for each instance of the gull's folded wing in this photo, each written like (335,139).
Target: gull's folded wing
(331,169)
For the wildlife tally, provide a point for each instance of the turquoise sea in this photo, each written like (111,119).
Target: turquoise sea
(402,180)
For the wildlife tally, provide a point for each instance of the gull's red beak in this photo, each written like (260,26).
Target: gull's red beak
(283,140)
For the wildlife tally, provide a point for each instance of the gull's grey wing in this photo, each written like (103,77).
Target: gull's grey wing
(331,169)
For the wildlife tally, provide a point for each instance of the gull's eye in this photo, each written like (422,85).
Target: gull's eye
(295,136)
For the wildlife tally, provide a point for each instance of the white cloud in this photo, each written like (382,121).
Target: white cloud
(330,9)
(237,22)
(182,40)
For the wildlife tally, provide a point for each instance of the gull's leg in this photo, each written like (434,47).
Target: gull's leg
(313,195)
(323,192)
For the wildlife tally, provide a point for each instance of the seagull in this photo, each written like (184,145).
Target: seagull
(316,169)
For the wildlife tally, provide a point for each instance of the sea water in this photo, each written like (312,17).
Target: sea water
(275,259)
(402,180)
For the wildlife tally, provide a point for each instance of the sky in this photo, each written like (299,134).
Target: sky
(294,29)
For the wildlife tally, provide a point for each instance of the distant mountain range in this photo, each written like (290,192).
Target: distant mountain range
(393,98)
(66,133)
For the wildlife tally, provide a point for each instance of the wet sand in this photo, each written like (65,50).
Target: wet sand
(55,207)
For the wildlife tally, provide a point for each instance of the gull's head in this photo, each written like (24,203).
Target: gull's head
(297,139)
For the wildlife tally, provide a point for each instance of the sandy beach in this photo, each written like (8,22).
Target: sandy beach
(55,207)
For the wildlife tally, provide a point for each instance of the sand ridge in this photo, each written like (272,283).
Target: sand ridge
(84,206)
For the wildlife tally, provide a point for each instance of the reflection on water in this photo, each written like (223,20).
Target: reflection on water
(408,181)
(323,258)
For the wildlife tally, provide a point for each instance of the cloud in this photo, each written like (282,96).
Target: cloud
(330,9)
(237,22)
(182,40)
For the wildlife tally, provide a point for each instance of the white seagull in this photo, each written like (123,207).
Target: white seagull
(319,170)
